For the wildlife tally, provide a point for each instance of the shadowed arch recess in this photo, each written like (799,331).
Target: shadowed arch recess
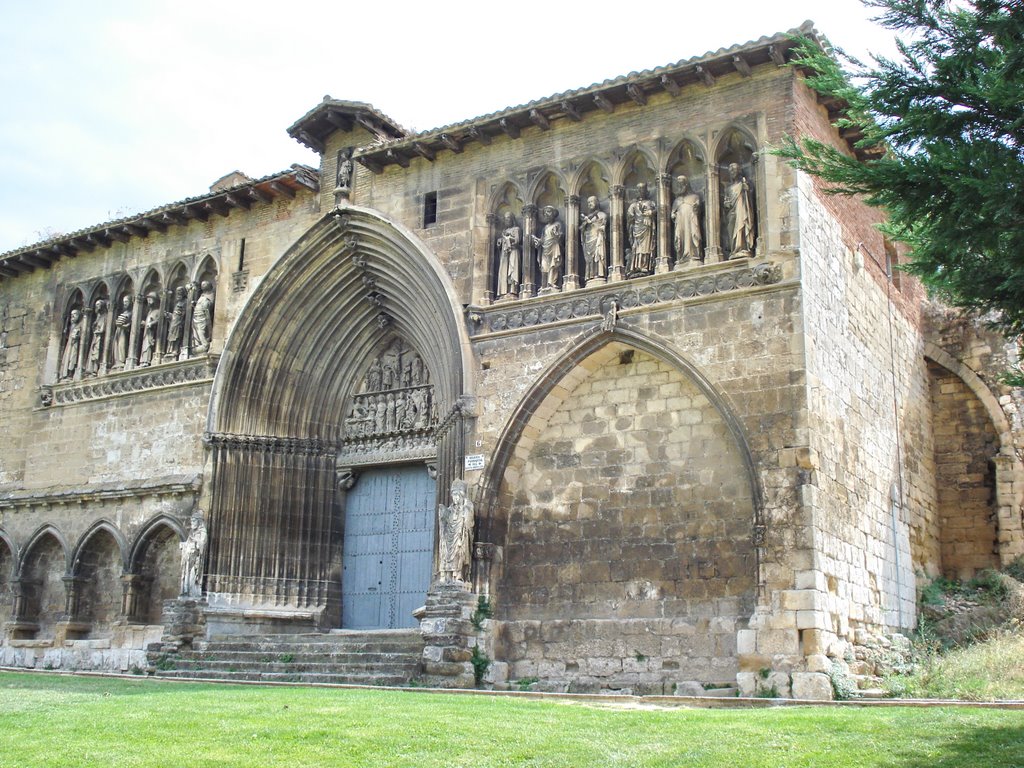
(297,351)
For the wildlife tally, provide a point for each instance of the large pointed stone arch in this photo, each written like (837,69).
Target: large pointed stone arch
(277,414)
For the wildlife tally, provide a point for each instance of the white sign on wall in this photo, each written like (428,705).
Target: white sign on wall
(474,462)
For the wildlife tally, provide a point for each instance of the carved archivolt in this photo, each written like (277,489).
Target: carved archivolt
(127,324)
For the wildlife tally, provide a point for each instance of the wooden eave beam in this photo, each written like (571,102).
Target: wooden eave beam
(741,64)
(6,270)
(237,201)
(669,85)
(479,135)
(134,231)
(367,162)
(28,263)
(570,111)
(397,157)
(423,150)
(705,76)
(312,141)
(282,189)
(99,240)
(602,101)
(170,218)
(259,195)
(451,142)
(538,119)
(197,212)
(338,120)
(212,207)
(636,93)
(368,124)
(777,55)
(154,225)
(117,235)
(510,128)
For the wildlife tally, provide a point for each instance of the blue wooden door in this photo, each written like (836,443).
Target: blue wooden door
(389,547)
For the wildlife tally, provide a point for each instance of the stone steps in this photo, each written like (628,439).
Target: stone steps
(230,675)
(389,658)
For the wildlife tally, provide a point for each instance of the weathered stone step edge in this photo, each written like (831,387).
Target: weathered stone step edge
(704,702)
(387,681)
(297,658)
(257,646)
(410,667)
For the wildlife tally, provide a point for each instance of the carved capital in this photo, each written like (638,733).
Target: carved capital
(617,191)
(432,470)
(492,219)
(529,209)
(484,551)
(665,178)
(572,200)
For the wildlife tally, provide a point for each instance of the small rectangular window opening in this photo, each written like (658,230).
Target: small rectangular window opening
(241,255)
(429,209)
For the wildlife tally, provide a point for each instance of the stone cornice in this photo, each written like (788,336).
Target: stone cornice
(195,370)
(695,284)
(172,485)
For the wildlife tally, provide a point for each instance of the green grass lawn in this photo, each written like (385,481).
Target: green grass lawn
(63,721)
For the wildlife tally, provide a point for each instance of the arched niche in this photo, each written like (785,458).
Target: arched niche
(72,337)
(625,499)
(738,193)
(7,565)
(593,184)
(154,571)
(640,219)
(151,314)
(121,323)
(278,413)
(505,275)
(688,171)
(549,229)
(43,600)
(99,322)
(204,298)
(178,313)
(97,569)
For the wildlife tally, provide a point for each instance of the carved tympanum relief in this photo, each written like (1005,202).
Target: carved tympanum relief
(392,410)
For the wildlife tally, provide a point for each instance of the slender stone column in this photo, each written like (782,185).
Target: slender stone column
(529,287)
(618,214)
(664,223)
(490,263)
(133,597)
(713,240)
(84,341)
(133,338)
(571,278)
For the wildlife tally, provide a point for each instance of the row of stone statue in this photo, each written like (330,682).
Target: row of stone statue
(641,228)
(387,413)
(165,335)
(394,396)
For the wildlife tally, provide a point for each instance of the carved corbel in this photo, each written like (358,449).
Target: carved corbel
(346,478)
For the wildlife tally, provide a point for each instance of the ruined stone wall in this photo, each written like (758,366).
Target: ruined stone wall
(870,484)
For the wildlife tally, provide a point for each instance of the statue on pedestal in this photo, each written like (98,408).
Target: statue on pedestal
(193,548)
(455,530)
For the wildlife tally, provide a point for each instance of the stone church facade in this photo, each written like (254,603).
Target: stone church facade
(599,363)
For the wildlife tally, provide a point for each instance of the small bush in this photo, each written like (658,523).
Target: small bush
(481,663)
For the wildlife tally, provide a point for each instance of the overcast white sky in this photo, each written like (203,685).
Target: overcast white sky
(109,108)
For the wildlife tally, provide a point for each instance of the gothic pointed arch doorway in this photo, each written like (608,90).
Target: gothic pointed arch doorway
(349,362)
